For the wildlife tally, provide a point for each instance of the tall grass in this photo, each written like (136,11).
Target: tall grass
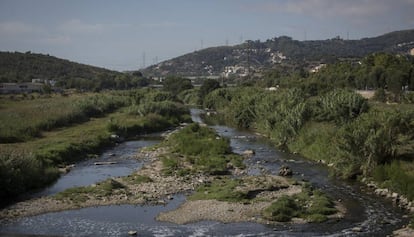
(22,171)
(339,127)
(71,128)
(199,149)
(23,120)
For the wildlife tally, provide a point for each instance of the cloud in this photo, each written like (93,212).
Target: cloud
(76,26)
(330,8)
(11,29)
(57,40)
(164,24)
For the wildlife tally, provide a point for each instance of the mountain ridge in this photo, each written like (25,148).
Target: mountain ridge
(252,56)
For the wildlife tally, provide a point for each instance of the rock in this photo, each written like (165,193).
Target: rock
(248,152)
(285,171)
(395,195)
(105,163)
(371,185)
(116,138)
(381,191)
(357,229)
(132,232)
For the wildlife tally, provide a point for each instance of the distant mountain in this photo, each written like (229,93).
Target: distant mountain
(251,56)
(22,67)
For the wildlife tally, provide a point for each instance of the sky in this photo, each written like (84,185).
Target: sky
(132,34)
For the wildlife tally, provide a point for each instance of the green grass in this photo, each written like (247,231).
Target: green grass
(397,176)
(222,190)
(199,149)
(316,141)
(78,195)
(59,144)
(137,179)
(312,205)
(22,120)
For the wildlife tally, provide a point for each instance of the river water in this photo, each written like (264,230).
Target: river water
(367,215)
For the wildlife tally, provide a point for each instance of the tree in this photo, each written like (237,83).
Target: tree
(176,84)
(208,86)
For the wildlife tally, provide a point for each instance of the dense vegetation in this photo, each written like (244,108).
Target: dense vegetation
(333,124)
(23,67)
(310,204)
(82,124)
(25,118)
(189,154)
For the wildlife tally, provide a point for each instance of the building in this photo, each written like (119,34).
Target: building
(17,88)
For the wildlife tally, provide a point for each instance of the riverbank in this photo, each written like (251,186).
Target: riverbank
(154,189)
(149,186)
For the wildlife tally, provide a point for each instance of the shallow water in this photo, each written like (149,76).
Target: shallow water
(373,215)
(86,172)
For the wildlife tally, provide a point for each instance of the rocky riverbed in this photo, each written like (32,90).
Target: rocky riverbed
(159,189)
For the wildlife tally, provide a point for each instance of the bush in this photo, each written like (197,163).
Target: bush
(341,106)
(221,190)
(312,205)
(20,172)
(374,138)
(397,176)
(283,210)
(200,149)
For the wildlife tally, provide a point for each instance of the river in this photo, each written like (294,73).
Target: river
(368,215)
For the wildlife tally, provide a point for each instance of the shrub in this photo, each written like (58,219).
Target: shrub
(312,205)
(221,190)
(20,172)
(397,176)
(342,106)
(283,210)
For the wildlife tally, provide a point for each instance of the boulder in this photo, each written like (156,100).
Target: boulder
(248,152)
(381,191)
(285,171)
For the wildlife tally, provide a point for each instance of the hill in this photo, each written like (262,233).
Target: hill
(242,59)
(23,67)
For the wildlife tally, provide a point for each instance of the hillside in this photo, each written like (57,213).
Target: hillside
(23,67)
(18,66)
(232,61)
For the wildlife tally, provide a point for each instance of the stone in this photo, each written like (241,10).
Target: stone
(357,229)
(132,232)
(381,191)
(285,171)
(248,152)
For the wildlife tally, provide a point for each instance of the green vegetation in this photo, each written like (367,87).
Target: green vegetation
(102,189)
(299,54)
(175,85)
(223,189)
(397,176)
(23,67)
(321,117)
(22,120)
(312,205)
(34,163)
(189,153)
(137,179)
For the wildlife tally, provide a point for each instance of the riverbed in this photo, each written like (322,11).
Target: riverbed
(367,214)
